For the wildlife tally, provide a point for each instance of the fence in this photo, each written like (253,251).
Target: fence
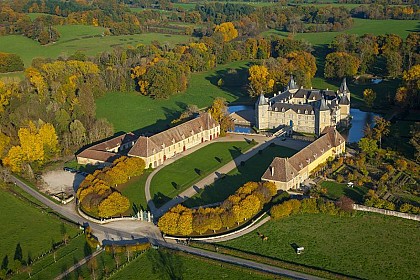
(359,207)
(140,216)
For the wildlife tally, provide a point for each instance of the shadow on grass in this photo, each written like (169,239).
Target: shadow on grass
(252,170)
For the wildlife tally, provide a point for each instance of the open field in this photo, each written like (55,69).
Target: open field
(132,111)
(183,173)
(151,266)
(84,38)
(336,190)
(360,26)
(369,246)
(251,171)
(18,216)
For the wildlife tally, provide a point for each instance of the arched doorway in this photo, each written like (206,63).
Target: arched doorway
(164,157)
(184,148)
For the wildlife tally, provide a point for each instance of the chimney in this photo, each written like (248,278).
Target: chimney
(272,171)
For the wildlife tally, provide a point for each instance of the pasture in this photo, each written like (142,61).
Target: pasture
(165,264)
(133,111)
(87,39)
(367,246)
(360,26)
(18,216)
(184,172)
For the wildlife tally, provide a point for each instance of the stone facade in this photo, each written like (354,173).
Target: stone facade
(305,110)
(289,173)
(154,150)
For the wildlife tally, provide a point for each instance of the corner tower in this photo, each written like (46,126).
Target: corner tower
(261,110)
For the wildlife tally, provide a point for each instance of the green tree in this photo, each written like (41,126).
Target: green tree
(368,146)
(381,128)
(369,96)
(340,65)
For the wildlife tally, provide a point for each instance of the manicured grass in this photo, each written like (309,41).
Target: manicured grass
(33,228)
(336,190)
(132,111)
(184,172)
(79,38)
(253,169)
(360,26)
(134,190)
(369,246)
(187,266)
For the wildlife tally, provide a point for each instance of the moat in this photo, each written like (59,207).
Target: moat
(359,120)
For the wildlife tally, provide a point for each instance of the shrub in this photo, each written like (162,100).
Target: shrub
(405,208)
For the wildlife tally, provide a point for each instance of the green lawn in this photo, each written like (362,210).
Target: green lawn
(253,169)
(134,190)
(186,266)
(79,38)
(132,111)
(369,246)
(35,229)
(336,190)
(360,26)
(183,173)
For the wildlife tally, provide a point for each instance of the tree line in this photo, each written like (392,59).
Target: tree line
(97,194)
(247,201)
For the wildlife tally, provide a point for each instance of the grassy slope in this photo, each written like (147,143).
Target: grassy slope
(79,37)
(183,171)
(131,111)
(191,267)
(251,171)
(19,226)
(369,246)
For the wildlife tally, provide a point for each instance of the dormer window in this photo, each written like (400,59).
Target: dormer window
(276,109)
(173,140)
(298,111)
(306,112)
(282,109)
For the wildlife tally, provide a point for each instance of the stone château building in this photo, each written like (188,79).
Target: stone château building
(289,173)
(154,150)
(304,110)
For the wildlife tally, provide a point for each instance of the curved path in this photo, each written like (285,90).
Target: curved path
(127,231)
(263,142)
(229,138)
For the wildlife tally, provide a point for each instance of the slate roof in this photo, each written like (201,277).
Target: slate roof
(285,169)
(298,108)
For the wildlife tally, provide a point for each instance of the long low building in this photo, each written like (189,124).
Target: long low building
(154,150)
(289,173)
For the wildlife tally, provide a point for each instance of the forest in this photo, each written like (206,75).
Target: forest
(60,94)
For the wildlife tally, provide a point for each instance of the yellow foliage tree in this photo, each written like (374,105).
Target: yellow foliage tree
(49,139)
(227,30)
(168,223)
(15,158)
(259,81)
(114,204)
(37,80)
(31,143)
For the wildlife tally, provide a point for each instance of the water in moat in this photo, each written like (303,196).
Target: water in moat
(359,120)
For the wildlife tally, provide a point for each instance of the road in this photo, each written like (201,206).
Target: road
(128,234)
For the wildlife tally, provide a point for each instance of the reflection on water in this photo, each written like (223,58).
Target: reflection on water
(358,123)
(236,108)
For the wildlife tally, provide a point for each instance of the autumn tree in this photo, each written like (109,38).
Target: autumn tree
(10,63)
(259,80)
(219,113)
(381,128)
(340,65)
(227,30)
(369,96)
(114,204)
